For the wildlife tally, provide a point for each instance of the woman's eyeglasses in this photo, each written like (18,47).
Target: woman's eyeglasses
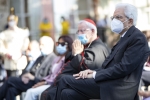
(61,43)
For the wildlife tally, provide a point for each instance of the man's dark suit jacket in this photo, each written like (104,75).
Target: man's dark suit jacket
(121,71)
(92,58)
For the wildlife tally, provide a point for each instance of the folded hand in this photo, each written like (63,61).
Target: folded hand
(27,77)
(39,84)
(84,74)
(25,80)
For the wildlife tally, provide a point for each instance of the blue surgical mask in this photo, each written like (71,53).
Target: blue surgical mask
(43,53)
(82,38)
(61,49)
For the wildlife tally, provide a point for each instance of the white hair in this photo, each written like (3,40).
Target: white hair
(89,25)
(129,10)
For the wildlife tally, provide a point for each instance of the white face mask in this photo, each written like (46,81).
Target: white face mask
(11,23)
(117,26)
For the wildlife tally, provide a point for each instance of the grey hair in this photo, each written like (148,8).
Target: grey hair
(129,10)
(89,25)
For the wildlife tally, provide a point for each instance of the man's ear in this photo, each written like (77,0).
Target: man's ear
(131,22)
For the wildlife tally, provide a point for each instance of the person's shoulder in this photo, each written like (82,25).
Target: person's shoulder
(22,29)
(99,44)
(41,25)
(18,28)
(53,54)
(138,34)
(98,41)
(4,31)
(137,37)
(40,57)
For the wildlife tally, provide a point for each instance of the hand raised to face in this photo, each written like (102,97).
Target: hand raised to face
(77,47)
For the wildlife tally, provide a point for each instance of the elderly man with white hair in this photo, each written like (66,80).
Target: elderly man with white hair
(88,52)
(119,76)
(13,86)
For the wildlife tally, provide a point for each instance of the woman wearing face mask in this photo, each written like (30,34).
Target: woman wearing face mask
(62,47)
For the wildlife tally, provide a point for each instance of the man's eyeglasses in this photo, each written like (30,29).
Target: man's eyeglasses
(118,17)
(82,31)
(61,43)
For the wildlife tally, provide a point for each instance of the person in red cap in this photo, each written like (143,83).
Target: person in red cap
(88,52)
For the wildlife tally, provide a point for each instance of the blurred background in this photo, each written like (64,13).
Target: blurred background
(32,13)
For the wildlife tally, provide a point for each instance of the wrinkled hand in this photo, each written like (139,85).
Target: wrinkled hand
(144,93)
(26,77)
(8,56)
(31,77)
(25,80)
(77,47)
(39,84)
(84,74)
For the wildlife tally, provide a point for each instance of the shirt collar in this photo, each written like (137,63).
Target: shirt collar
(123,34)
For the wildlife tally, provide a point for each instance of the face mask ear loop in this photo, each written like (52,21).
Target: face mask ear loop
(124,22)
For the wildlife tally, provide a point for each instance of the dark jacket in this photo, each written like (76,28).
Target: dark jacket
(93,57)
(41,67)
(36,65)
(121,72)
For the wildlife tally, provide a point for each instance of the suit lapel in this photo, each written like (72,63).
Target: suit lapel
(116,49)
(118,45)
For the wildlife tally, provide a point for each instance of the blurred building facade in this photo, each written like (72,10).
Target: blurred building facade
(4,11)
(31,12)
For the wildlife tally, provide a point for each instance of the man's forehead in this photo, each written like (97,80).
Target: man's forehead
(119,11)
(82,25)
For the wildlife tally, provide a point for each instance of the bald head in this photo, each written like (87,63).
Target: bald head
(46,44)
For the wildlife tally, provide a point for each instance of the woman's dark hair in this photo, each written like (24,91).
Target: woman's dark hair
(67,39)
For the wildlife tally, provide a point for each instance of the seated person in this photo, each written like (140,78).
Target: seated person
(32,53)
(145,80)
(15,85)
(88,52)
(63,46)
(119,76)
